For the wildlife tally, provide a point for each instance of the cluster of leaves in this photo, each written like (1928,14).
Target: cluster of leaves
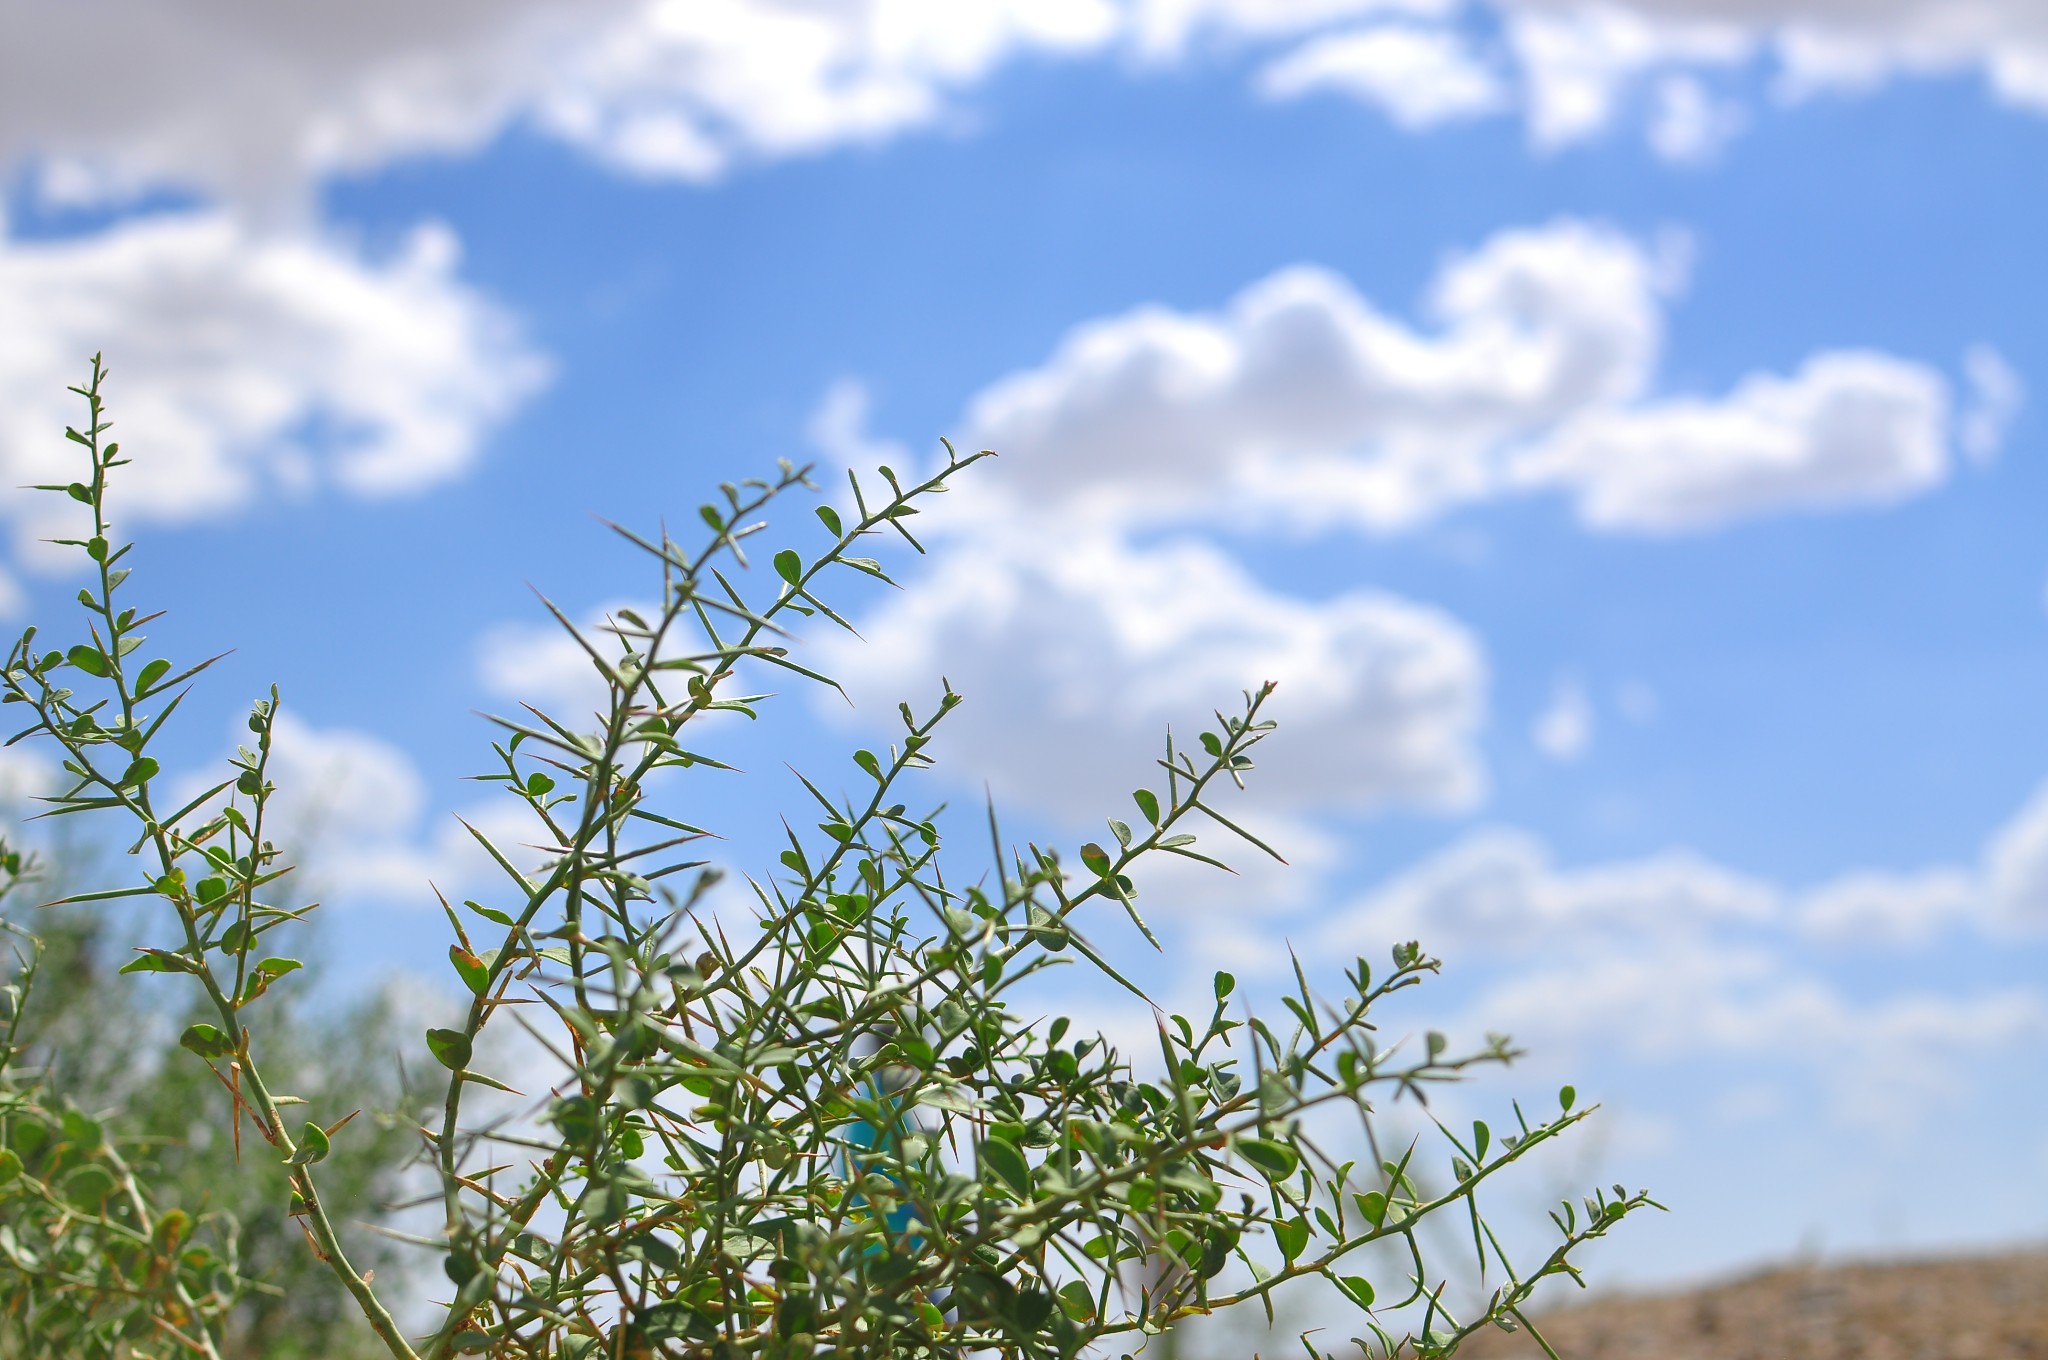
(110,1048)
(844,1131)
(91,1261)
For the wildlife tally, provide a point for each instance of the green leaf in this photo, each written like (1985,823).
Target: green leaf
(83,1130)
(1148,803)
(450,1048)
(312,1147)
(831,520)
(140,771)
(1096,858)
(1373,1205)
(1003,1158)
(207,1041)
(88,1186)
(539,785)
(470,968)
(87,659)
(1565,1097)
(1481,1138)
(79,491)
(1225,985)
(10,1166)
(789,566)
(1276,1160)
(1356,1288)
(576,1117)
(1292,1236)
(270,970)
(159,961)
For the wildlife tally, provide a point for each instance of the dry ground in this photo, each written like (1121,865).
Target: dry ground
(1988,1308)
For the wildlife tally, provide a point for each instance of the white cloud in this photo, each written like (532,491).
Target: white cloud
(2003,895)
(25,773)
(351,810)
(1498,893)
(1851,428)
(1894,911)
(1577,65)
(838,430)
(244,364)
(1673,1003)
(1303,402)
(1854,44)
(1564,729)
(1165,28)
(2016,867)
(1584,63)
(1421,77)
(251,100)
(1675,961)
(1691,124)
(539,663)
(686,87)
(254,102)
(1074,659)
(257,102)
(1996,395)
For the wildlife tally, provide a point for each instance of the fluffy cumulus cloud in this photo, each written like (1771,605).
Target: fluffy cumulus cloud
(542,664)
(255,102)
(250,363)
(1500,894)
(1675,960)
(1302,398)
(352,811)
(1420,76)
(1848,428)
(2004,895)
(1582,67)
(1677,69)
(1303,401)
(1075,662)
(1684,1006)
(250,100)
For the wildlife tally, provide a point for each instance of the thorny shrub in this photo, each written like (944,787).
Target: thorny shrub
(835,1132)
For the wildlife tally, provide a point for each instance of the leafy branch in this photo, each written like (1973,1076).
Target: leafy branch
(842,1131)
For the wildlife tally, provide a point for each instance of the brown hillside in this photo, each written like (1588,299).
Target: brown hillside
(1993,1308)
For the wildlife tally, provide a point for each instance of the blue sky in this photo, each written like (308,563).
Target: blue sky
(1610,423)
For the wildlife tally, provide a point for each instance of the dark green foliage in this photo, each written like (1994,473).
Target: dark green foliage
(97,1043)
(96,1259)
